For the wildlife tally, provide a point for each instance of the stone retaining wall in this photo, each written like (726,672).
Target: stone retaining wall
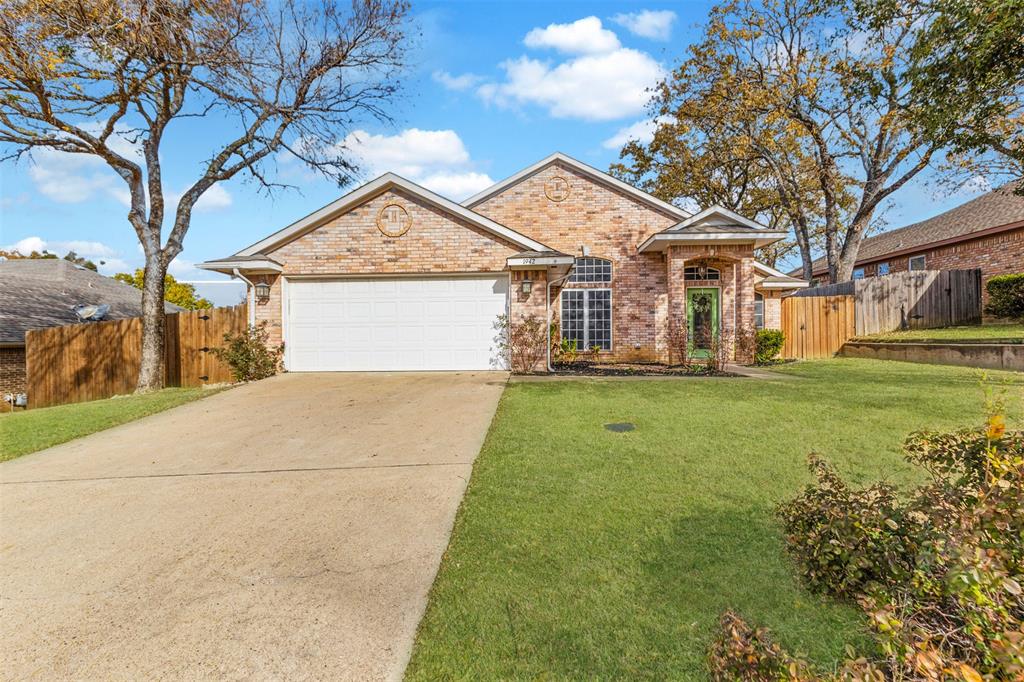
(983,355)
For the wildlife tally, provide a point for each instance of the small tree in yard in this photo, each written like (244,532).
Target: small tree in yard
(108,78)
(249,354)
(522,343)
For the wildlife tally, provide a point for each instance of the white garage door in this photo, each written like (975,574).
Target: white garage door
(394,324)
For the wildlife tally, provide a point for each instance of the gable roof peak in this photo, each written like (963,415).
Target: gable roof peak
(373,188)
(585,170)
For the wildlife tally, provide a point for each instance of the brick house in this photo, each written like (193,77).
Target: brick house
(395,277)
(986,233)
(39,293)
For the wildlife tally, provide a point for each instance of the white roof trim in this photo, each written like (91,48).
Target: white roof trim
(529,261)
(770,271)
(377,186)
(760,238)
(228,266)
(719,210)
(583,169)
(796,284)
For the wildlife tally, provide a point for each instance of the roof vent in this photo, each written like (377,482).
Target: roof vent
(91,313)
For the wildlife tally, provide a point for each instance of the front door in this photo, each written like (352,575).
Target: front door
(702,320)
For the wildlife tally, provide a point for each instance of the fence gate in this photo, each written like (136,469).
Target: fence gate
(816,326)
(194,334)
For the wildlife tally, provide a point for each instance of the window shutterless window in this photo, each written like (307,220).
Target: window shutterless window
(858,273)
(916,263)
(587,317)
(758,311)
(591,270)
(883,268)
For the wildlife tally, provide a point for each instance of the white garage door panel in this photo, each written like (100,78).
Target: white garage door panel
(436,323)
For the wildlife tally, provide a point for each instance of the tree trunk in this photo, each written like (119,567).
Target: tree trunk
(151,373)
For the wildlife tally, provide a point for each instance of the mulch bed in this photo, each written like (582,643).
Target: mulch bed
(626,369)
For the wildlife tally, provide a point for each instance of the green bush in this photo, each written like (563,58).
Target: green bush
(768,345)
(939,571)
(1006,296)
(248,354)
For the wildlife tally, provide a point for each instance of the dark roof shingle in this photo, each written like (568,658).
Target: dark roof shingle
(39,293)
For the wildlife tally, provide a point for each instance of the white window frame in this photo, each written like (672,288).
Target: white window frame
(756,295)
(611,271)
(694,268)
(586,316)
(885,265)
(910,263)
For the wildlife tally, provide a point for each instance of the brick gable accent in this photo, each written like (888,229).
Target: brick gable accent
(351,244)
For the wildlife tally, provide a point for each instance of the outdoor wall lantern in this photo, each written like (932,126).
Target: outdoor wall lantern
(262,292)
(527,286)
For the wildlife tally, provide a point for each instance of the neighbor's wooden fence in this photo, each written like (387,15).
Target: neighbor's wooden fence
(905,300)
(816,326)
(96,360)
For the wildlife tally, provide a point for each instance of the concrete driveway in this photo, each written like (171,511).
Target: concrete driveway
(288,529)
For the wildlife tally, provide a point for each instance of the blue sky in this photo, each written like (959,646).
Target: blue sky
(492,88)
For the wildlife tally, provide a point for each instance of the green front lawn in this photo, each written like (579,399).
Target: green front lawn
(985,333)
(26,431)
(579,553)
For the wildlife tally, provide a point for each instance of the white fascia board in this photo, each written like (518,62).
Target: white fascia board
(528,262)
(583,169)
(717,210)
(799,284)
(255,265)
(377,186)
(657,242)
(768,270)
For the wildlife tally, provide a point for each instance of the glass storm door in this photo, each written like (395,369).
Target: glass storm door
(702,320)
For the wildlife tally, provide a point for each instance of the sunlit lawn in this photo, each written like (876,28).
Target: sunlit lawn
(23,432)
(984,333)
(586,554)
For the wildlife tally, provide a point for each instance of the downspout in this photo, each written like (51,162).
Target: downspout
(547,314)
(250,295)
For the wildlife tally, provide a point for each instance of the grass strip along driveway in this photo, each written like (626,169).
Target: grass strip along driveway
(587,554)
(26,431)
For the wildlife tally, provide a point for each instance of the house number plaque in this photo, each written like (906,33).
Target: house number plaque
(393,220)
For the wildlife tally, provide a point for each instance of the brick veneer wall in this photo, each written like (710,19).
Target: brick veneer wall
(772,309)
(611,224)
(997,254)
(12,371)
(350,244)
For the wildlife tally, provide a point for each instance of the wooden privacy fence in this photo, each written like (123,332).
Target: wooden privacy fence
(816,323)
(96,360)
(816,326)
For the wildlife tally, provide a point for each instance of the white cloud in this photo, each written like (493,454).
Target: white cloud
(653,24)
(601,87)
(72,178)
(585,36)
(106,257)
(641,131)
(462,82)
(213,199)
(436,159)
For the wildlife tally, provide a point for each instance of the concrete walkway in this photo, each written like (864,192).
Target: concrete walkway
(288,529)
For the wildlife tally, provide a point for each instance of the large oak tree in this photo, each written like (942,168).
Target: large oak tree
(823,106)
(113,79)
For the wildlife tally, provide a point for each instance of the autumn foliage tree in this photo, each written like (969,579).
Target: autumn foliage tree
(114,79)
(181,294)
(793,102)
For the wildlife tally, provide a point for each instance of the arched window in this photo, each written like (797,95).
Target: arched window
(700,272)
(758,311)
(591,270)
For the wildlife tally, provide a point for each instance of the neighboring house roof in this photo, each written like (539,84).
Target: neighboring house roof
(39,292)
(371,189)
(583,169)
(997,210)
